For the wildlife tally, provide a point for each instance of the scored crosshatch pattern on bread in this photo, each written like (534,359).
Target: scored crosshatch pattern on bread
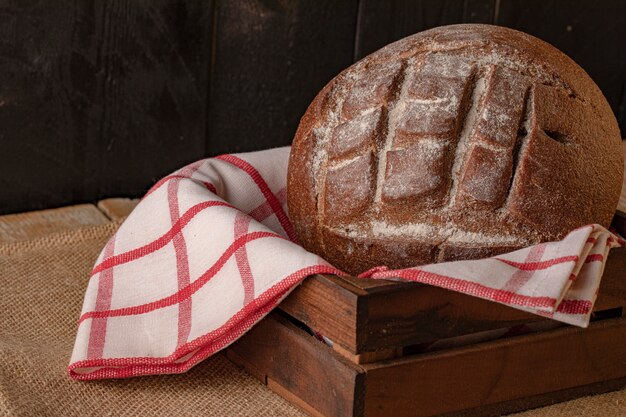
(436,132)
(455,147)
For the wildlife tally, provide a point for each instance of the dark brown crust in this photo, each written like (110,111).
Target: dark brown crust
(300,185)
(555,163)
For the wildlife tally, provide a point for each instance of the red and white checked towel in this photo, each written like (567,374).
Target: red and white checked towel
(209,251)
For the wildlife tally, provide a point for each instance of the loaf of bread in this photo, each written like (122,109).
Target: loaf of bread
(459,142)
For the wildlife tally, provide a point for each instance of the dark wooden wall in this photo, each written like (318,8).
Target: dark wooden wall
(100,98)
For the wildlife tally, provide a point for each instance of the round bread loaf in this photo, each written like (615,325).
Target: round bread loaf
(459,142)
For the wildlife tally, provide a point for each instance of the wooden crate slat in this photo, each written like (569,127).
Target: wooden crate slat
(427,313)
(485,379)
(541,400)
(621,206)
(402,314)
(613,286)
(303,366)
(323,304)
(498,371)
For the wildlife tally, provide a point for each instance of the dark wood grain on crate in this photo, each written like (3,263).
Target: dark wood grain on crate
(303,366)
(329,305)
(613,285)
(540,400)
(365,318)
(620,215)
(487,379)
(399,314)
(498,371)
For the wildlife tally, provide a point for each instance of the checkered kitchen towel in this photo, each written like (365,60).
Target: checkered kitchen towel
(209,251)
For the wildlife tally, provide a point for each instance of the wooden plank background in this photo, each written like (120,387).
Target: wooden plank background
(101,98)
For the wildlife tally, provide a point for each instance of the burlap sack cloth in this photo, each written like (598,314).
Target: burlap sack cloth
(42,283)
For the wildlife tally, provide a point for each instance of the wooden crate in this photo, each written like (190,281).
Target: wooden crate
(407,349)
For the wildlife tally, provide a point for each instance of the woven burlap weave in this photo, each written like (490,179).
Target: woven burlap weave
(42,283)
